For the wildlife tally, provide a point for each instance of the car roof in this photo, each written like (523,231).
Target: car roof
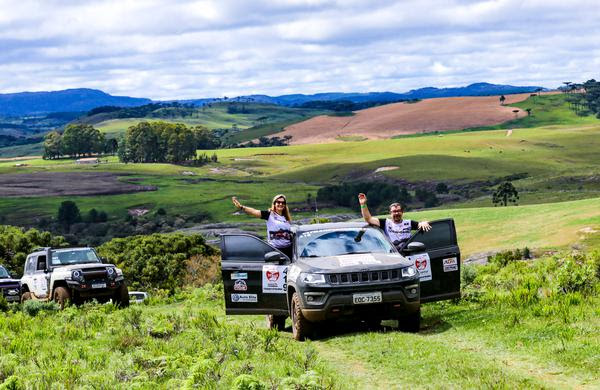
(331,225)
(43,251)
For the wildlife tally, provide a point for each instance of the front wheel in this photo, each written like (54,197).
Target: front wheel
(25,297)
(301,327)
(121,298)
(276,322)
(410,323)
(61,296)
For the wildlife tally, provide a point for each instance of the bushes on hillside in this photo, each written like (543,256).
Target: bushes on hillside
(379,195)
(16,243)
(155,261)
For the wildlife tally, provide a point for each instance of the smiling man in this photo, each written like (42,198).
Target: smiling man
(397,229)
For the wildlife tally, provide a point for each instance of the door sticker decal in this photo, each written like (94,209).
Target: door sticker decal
(240,285)
(239,275)
(274,279)
(243,298)
(423,264)
(450,264)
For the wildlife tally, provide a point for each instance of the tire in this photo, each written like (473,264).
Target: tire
(26,296)
(61,296)
(121,297)
(276,322)
(410,323)
(301,327)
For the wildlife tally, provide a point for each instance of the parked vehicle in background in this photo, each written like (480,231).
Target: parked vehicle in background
(340,270)
(9,288)
(72,274)
(137,296)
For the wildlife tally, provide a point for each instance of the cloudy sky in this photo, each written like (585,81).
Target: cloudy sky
(192,49)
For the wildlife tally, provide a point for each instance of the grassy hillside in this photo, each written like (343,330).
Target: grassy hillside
(240,116)
(557,163)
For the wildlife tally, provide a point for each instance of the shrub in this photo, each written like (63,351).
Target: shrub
(155,261)
(468,273)
(3,304)
(200,270)
(32,307)
(576,273)
(12,383)
(248,382)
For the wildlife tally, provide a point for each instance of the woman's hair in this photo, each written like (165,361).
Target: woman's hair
(286,211)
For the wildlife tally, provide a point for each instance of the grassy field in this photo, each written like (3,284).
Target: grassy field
(526,324)
(264,119)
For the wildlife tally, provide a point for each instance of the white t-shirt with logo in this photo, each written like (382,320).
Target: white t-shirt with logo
(279,229)
(398,231)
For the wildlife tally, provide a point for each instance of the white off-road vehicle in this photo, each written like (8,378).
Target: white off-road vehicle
(72,274)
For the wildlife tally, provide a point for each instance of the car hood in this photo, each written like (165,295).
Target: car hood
(356,262)
(71,267)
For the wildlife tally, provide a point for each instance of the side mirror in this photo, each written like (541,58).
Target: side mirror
(274,257)
(415,247)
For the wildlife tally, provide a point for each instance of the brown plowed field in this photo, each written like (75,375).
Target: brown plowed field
(66,183)
(402,118)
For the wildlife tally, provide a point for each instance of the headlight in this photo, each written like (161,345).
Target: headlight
(111,272)
(77,275)
(409,272)
(312,278)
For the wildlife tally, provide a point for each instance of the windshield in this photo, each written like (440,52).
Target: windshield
(74,256)
(335,242)
(3,273)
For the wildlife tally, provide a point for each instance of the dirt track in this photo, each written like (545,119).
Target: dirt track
(66,183)
(402,118)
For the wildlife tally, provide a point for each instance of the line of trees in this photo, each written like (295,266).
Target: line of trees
(162,142)
(584,98)
(77,140)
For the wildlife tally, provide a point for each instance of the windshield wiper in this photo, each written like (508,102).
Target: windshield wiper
(358,237)
(357,253)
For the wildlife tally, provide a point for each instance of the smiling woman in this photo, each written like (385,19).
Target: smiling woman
(279,233)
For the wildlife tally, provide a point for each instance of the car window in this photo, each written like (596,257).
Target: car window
(74,256)
(440,236)
(245,248)
(30,265)
(335,242)
(3,273)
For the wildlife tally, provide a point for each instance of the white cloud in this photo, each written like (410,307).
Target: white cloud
(187,49)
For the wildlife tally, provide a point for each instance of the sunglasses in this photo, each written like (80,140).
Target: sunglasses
(279,202)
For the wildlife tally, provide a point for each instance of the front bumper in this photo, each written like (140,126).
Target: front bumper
(338,303)
(11,293)
(94,288)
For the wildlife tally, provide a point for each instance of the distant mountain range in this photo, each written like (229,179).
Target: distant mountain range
(69,100)
(80,100)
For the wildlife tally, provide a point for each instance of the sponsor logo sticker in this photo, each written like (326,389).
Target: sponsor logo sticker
(274,279)
(239,275)
(450,264)
(240,285)
(423,264)
(244,298)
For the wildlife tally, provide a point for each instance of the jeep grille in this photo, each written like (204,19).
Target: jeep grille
(94,273)
(365,277)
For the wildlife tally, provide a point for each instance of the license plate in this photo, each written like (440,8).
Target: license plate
(365,298)
(99,285)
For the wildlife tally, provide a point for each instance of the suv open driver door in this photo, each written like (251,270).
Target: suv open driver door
(439,266)
(254,276)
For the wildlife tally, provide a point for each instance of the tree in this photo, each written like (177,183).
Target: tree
(81,139)
(441,188)
(502,99)
(505,193)
(52,145)
(68,213)
(528,110)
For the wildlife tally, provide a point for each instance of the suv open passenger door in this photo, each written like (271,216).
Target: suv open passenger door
(254,276)
(440,265)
